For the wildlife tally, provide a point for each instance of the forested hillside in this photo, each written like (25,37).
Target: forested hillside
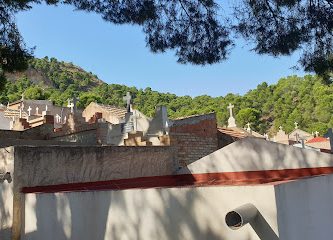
(305,100)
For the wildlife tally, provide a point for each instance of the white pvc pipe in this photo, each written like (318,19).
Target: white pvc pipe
(248,213)
(240,216)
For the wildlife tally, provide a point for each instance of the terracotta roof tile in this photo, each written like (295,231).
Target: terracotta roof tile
(237,133)
(317,139)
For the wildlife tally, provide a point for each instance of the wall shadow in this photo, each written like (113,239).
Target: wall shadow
(69,216)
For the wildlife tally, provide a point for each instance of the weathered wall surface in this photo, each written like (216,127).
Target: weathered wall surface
(149,214)
(6,159)
(40,143)
(6,194)
(305,209)
(38,166)
(38,133)
(159,123)
(111,134)
(84,137)
(194,137)
(41,132)
(4,122)
(93,133)
(6,210)
(8,134)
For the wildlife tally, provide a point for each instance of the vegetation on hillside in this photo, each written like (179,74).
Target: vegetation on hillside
(305,100)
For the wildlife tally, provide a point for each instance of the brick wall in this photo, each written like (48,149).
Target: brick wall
(194,137)
(225,139)
(190,147)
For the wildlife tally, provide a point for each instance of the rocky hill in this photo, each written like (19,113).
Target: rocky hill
(55,74)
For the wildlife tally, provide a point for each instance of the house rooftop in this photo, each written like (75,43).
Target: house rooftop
(234,132)
(318,139)
(42,102)
(239,132)
(118,111)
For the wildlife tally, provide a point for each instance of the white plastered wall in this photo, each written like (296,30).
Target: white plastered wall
(6,193)
(149,214)
(6,210)
(305,209)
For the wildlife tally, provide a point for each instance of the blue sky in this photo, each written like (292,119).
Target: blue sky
(117,54)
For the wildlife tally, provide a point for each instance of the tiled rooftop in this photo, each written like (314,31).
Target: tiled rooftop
(317,139)
(118,111)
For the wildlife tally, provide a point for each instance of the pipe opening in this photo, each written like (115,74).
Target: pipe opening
(233,220)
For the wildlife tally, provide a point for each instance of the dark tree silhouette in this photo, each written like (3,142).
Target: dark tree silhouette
(13,53)
(279,27)
(198,30)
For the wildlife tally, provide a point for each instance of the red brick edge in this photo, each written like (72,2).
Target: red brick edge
(186,180)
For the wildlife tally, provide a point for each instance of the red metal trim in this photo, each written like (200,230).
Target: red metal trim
(189,180)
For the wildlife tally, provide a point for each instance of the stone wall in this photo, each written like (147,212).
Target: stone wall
(93,133)
(86,134)
(82,137)
(41,132)
(80,132)
(194,137)
(49,165)
(28,142)
(8,134)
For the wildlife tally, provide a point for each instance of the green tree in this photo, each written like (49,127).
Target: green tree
(318,126)
(34,92)
(248,115)
(88,97)
(283,27)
